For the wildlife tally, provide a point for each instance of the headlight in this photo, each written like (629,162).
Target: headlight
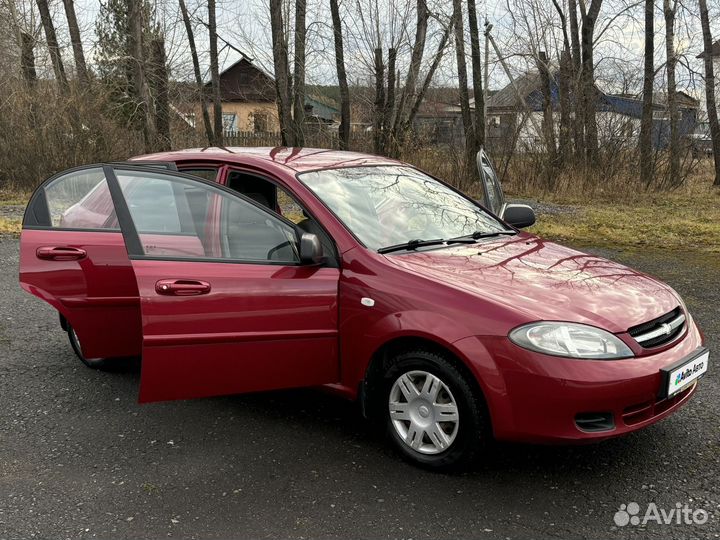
(570,340)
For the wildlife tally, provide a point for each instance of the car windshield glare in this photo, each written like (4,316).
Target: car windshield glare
(389,205)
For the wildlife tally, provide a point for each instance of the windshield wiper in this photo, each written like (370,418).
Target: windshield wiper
(414,244)
(477,235)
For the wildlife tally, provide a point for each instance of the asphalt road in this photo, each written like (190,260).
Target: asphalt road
(79,458)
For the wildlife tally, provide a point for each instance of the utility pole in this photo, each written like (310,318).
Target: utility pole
(488,27)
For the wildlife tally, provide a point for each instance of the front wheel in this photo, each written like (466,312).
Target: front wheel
(434,416)
(94,363)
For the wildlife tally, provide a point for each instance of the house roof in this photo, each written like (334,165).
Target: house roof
(529,86)
(244,81)
(715,51)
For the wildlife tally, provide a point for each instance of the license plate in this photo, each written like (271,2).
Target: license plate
(677,377)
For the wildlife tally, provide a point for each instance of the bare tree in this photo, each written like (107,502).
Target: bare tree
(283,86)
(27,59)
(344,130)
(215,76)
(198,74)
(379,101)
(75,39)
(710,87)
(140,85)
(669,8)
(588,91)
(299,72)
(646,122)
(52,42)
(463,87)
(479,128)
(159,73)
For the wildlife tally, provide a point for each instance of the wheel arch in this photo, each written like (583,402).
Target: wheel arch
(379,363)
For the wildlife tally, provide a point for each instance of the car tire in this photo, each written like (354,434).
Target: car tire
(94,363)
(434,416)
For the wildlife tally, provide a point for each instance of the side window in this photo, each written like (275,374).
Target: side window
(176,217)
(81,200)
(207,173)
(280,201)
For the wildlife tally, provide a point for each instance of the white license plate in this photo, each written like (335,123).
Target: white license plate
(679,377)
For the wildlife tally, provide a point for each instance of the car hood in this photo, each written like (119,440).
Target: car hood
(546,281)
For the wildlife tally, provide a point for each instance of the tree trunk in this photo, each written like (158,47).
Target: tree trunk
(218,129)
(548,124)
(52,42)
(198,74)
(379,101)
(646,122)
(428,79)
(282,73)
(416,57)
(463,89)
(710,88)
(479,127)
(27,59)
(78,54)
(588,82)
(674,144)
(140,85)
(565,106)
(162,100)
(344,130)
(299,73)
(576,68)
(389,107)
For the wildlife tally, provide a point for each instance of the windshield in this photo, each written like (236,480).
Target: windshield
(389,205)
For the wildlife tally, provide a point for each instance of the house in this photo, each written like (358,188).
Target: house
(618,115)
(248,101)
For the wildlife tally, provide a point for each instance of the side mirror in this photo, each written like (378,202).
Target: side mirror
(519,215)
(311,251)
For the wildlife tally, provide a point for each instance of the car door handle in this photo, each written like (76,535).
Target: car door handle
(60,253)
(181,287)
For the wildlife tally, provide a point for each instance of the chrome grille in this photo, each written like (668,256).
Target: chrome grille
(660,331)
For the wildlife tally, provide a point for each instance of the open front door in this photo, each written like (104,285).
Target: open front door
(493,196)
(226,305)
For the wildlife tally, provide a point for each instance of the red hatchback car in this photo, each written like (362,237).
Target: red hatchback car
(248,269)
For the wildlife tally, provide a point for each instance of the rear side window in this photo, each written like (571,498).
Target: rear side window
(207,173)
(80,200)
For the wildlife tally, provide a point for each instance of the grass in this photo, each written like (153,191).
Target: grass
(10,226)
(687,219)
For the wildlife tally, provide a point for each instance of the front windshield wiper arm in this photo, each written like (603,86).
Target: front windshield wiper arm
(477,235)
(411,244)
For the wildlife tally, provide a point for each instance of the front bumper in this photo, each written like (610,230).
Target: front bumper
(537,398)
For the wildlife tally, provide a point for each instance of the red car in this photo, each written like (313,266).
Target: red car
(241,270)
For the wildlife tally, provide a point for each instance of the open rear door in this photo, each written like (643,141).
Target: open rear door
(72,255)
(226,305)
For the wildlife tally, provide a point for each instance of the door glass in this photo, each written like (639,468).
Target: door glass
(178,218)
(81,200)
(208,173)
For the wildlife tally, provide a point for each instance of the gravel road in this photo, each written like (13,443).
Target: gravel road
(79,458)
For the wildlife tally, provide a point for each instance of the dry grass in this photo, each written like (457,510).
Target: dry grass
(10,226)
(687,218)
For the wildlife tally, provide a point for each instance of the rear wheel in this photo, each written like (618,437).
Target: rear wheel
(95,363)
(433,415)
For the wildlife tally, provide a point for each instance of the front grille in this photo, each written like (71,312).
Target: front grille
(660,331)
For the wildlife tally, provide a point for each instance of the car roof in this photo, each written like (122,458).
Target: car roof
(295,159)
